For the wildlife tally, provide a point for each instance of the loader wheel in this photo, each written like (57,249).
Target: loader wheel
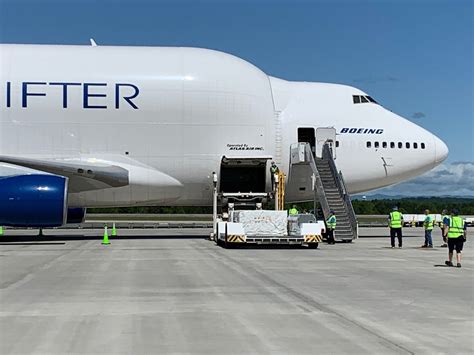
(313,245)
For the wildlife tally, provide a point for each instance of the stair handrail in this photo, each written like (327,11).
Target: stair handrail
(348,201)
(341,185)
(318,183)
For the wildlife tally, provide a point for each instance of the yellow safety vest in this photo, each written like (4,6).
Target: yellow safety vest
(456,227)
(395,219)
(331,222)
(443,217)
(428,223)
(293,211)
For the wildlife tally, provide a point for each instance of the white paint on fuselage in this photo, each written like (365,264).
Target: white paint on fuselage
(194,106)
(330,105)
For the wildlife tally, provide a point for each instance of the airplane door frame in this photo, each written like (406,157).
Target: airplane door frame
(308,135)
(325,135)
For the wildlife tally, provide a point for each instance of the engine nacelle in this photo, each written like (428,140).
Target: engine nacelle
(33,200)
(76,215)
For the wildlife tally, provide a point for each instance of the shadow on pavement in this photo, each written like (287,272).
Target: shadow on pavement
(264,246)
(33,243)
(35,239)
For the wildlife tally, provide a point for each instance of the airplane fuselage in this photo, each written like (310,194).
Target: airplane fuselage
(169,115)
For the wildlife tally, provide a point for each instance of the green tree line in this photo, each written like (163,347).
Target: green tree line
(383,206)
(414,205)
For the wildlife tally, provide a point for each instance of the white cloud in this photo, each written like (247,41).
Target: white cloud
(455,179)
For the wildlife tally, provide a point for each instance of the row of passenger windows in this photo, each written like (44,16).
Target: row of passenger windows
(408,145)
(359,99)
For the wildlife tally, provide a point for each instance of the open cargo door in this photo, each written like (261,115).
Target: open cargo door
(241,174)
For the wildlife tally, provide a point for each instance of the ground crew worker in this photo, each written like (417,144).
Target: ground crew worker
(330,227)
(273,171)
(456,235)
(428,225)
(444,222)
(395,222)
(293,210)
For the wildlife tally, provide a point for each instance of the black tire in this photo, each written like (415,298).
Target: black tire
(313,245)
(220,243)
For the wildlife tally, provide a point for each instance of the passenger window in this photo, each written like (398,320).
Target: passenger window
(422,145)
(363,99)
(356,99)
(369,144)
(376,144)
(337,144)
(407,145)
(415,145)
(392,145)
(400,145)
(384,145)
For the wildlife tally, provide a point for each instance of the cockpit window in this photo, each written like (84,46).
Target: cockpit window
(360,99)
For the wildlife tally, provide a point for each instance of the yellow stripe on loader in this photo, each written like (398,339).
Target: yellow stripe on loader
(312,238)
(236,238)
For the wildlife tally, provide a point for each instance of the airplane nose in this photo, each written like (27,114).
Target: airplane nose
(441,150)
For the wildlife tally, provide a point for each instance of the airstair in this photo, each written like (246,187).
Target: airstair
(328,186)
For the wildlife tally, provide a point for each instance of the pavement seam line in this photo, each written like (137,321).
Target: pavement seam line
(309,301)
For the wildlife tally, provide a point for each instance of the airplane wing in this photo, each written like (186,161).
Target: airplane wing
(83,175)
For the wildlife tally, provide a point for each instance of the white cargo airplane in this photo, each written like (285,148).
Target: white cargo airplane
(121,126)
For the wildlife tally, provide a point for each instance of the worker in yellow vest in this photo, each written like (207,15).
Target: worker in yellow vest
(395,222)
(444,222)
(331,227)
(293,211)
(428,224)
(456,235)
(273,171)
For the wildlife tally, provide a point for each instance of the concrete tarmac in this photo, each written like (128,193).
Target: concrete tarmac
(172,291)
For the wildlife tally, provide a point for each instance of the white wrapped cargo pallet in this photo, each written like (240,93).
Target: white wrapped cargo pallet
(263,222)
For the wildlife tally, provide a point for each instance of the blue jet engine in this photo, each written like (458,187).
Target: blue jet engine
(33,200)
(75,215)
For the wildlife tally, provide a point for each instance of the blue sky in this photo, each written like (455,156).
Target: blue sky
(413,56)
